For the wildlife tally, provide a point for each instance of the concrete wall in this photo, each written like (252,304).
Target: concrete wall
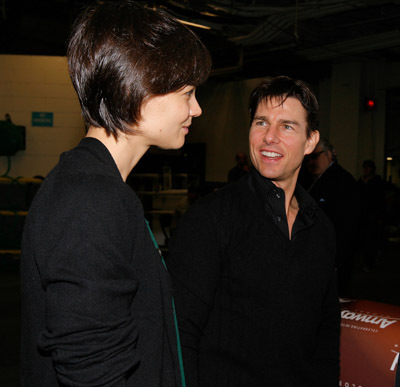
(356,133)
(224,124)
(39,84)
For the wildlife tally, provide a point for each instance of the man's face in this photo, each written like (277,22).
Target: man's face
(278,140)
(319,161)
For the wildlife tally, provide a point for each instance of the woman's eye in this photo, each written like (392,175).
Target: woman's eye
(190,92)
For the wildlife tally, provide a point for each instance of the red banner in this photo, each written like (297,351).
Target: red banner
(369,344)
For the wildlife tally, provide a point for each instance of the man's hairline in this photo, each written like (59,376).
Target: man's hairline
(282,98)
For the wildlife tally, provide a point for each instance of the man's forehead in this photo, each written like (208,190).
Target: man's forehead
(278,101)
(276,104)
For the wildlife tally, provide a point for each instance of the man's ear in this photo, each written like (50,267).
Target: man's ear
(312,142)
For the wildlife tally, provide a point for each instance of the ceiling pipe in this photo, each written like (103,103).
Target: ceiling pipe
(354,46)
(230,69)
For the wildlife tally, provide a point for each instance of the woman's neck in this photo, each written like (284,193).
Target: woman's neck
(126,150)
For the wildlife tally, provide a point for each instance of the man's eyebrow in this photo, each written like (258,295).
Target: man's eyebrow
(283,121)
(291,122)
(260,118)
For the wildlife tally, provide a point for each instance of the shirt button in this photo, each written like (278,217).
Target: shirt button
(279,218)
(278,196)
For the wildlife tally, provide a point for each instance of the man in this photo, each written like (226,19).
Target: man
(97,305)
(240,169)
(371,188)
(335,191)
(253,263)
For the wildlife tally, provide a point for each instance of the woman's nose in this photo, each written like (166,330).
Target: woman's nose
(195,109)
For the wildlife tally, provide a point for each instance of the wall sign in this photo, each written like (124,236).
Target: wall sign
(42,119)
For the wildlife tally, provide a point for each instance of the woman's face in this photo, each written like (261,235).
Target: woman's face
(165,119)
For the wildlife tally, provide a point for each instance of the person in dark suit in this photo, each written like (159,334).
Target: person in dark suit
(97,308)
(240,169)
(335,191)
(252,264)
(372,191)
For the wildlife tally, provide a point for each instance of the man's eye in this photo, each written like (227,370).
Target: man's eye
(288,127)
(261,123)
(190,92)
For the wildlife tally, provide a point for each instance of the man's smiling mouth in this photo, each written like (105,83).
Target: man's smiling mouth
(271,154)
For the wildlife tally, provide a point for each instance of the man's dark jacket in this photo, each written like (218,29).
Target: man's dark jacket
(254,307)
(96,299)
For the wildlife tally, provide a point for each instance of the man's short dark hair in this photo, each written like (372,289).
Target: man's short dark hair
(120,54)
(326,145)
(281,88)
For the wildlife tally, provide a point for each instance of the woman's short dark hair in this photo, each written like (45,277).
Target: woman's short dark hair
(120,54)
(281,88)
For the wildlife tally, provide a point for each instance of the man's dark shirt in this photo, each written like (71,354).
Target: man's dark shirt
(254,307)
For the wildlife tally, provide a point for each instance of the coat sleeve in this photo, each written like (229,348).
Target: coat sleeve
(194,264)
(90,284)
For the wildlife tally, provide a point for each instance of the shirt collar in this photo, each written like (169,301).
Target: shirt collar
(266,187)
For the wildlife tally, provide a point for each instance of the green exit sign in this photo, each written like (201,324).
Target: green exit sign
(42,119)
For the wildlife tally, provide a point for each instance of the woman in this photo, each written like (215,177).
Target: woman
(96,298)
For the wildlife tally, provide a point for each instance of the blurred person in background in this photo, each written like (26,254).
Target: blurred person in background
(240,169)
(372,214)
(335,191)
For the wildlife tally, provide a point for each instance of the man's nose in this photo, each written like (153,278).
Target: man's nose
(271,135)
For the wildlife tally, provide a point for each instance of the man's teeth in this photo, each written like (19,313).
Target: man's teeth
(270,154)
